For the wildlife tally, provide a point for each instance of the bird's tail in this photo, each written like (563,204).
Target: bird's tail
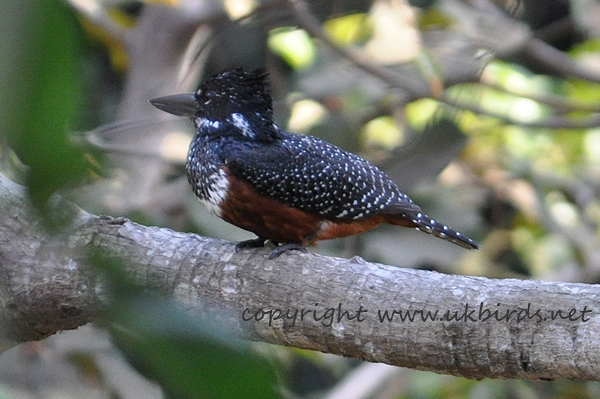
(432,226)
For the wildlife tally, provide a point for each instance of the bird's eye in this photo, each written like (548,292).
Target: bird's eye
(200,93)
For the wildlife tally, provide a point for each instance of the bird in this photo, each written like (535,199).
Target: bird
(287,188)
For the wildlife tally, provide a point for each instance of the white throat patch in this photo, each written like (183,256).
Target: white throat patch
(207,124)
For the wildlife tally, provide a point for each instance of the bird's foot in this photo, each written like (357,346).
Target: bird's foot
(287,247)
(279,249)
(253,243)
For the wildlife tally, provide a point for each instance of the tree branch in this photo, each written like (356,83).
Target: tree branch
(413,84)
(45,286)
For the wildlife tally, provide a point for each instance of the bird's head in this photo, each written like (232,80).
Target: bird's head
(233,103)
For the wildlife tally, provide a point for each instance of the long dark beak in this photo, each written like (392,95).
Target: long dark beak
(178,104)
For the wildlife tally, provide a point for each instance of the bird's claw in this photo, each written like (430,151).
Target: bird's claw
(287,247)
(253,243)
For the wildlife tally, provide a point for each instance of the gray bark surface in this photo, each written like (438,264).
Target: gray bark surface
(46,286)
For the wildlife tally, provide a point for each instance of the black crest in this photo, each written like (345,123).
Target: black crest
(235,91)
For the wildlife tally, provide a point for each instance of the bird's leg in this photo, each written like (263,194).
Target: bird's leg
(287,247)
(253,243)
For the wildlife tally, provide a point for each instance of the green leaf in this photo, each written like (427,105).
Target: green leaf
(41,91)
(186,359)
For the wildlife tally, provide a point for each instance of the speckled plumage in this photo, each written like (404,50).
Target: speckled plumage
(307,189)
(310,174)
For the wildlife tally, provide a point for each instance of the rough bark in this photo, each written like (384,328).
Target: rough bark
(45,287)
